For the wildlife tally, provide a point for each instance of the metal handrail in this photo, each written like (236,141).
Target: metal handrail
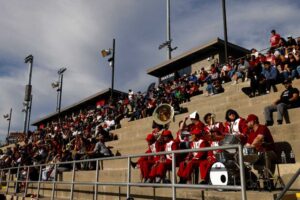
(288,185)
(130,184)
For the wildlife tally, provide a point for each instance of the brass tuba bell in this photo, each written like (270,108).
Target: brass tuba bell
(163,114)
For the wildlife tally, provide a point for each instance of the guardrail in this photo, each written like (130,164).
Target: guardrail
(129,182)
(288,185)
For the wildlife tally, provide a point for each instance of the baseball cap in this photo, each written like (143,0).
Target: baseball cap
(252,117)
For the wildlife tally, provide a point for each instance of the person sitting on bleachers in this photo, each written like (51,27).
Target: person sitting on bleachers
(202,76)
(212,77)
(289,98)
(145,163)
(159,169)
(291,43)
(261,140)
(235,125)
(214,133)
(193,159)
(255,76)
(269,73)
(291,65)
(274,39)
(242,71)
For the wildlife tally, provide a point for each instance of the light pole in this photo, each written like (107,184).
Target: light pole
(169,40)
(111,60)
(59,85)
(29,113)
(225,30)
(8,118)
(28,89)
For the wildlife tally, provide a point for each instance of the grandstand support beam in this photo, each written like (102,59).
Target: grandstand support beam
(113,69)
(111,60)
(169,29)
(28,89)
(9,121)
(29,113)
(225,30)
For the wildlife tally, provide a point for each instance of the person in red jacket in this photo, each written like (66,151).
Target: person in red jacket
(164,163)
(214,132)
(235,125)
(196,124)
(145,163)
(193,160)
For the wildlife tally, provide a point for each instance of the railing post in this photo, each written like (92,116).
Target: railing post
(288,185)
(17,180)
(96,181)
(26,181)
(39,181)
(128,176)
(72,181)
(242,173)
(7,181)
(1,175)
(54,181)
(173,176)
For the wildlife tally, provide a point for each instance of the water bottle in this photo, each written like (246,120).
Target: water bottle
(283,157)
(292,157)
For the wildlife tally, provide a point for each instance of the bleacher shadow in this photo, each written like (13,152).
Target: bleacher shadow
(285,147)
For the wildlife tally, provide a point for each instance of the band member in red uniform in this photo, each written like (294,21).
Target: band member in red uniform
(145,163)
(261,139)
(235,125)
(158,171)
(193,159)
(214,132)
(196,124)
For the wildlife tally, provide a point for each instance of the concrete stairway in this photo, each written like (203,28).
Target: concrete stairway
(132,141)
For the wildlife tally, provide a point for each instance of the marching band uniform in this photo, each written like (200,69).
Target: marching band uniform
(145,163)
(236,125)
(194,159)
(214,133)
(164,163)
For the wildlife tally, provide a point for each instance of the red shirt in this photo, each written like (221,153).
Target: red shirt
(274,40)
(199,126)
(268,139)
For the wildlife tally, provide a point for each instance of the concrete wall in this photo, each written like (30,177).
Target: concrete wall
(204,63)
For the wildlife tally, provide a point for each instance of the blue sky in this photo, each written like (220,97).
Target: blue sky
(72,33)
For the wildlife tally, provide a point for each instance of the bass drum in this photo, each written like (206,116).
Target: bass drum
(224,174)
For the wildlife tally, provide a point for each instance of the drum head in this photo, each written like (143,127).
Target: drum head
(218,174)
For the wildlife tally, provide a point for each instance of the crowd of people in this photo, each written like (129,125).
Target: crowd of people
(83,135)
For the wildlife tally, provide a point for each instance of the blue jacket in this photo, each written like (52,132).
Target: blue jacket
(271,73)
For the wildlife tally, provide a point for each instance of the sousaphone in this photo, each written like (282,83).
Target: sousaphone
(163,114)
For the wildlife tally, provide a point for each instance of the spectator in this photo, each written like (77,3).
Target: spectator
(289,98)
(292,64)
(274,39)
(269,73)
(212,77)
(242,71)
(291,43)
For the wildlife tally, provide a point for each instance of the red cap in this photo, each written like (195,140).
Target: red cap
(252,117)
(166,133)
(150,137)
